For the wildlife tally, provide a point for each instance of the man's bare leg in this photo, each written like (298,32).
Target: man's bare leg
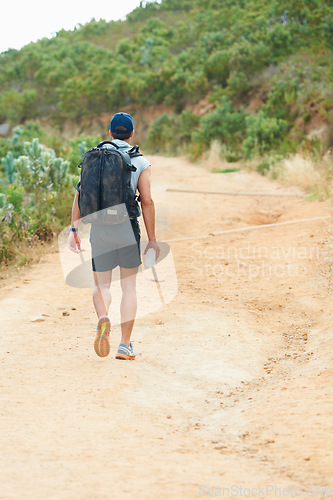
(102,293)
(128,304)
(102,301)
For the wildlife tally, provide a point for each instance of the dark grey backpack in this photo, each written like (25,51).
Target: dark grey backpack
(106,195)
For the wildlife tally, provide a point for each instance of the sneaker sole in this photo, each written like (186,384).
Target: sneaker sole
(102,344)
(123,356)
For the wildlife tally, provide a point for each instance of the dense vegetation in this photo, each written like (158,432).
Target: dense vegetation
(36,188)
(250,73)
(178,52)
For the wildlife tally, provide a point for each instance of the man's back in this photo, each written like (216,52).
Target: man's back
(139,162)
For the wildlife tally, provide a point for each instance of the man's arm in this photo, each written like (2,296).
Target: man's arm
(148,210)
(75,220)
(74,240)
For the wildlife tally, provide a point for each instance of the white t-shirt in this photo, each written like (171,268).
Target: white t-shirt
(140,162)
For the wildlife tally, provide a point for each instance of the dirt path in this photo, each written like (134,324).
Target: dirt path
(233,382)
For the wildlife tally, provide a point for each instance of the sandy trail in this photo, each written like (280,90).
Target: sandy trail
(232,386)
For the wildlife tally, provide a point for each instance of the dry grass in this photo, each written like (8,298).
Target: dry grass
(300,172)
(25,256)
(216,158)
(313,176)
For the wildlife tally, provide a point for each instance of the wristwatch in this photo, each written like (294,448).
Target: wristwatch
(74,229)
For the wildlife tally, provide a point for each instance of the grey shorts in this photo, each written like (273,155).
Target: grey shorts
(117,245)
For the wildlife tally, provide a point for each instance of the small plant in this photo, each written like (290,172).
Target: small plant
(9,167)
(226,170)
(306,117)
(263,167)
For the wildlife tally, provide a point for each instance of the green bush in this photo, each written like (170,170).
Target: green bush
(306,117)
(22,134)
(36,199)
(41,174)
(217,68)
(263,166)
(263,133)
(224,123)
(9,167)
(17,106)
(281,97)
(14,197)
(78,147)
(162,133)
(172,133)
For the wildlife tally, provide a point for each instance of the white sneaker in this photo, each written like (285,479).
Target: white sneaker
(125,351)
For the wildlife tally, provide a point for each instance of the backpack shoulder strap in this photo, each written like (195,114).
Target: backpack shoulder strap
(127,159)
(107,142)
(134,152)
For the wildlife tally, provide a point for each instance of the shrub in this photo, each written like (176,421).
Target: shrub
(162,132)
(9,167)
(14,197)
(283,94)
(37,201)
(224,123)
(41,173)
(172,133)
(238,84)
(78,147)
(216,67)
(263,133)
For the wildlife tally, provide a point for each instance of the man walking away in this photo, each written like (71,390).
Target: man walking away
(110,249)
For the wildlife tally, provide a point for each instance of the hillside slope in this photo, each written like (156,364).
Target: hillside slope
(270,59)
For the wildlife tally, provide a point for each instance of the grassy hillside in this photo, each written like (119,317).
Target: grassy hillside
(263,66)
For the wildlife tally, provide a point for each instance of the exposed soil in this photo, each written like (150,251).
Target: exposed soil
(233,382)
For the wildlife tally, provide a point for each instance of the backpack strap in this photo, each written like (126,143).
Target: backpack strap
(127,160)
(134,152)
(108,142)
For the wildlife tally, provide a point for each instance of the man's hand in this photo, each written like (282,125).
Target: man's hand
(154,245)
(74,241)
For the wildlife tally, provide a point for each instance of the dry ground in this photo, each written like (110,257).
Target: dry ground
(233,383)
